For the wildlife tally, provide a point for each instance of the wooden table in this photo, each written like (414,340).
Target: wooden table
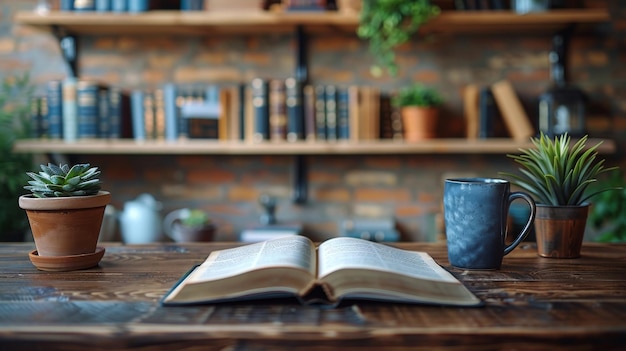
(531,303)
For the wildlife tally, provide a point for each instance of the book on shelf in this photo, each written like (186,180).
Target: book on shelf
(471,111)
(260,102)
(277,99)
(343,113)
(137,113)
(54,96)
(308,109)
(515,118)
(337,270)
(330,104)
(488,114)
(385,123)
(170,112)
(320,112)
(104,113)
(354,113)
(69,110)
(295,117)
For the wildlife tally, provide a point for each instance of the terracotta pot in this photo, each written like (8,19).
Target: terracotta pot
(65,226)
(419,123)
(560,229)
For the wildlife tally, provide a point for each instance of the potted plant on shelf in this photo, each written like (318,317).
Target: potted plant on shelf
(65,211)
(419,109)
(558,176)
(189,225)
(388,24)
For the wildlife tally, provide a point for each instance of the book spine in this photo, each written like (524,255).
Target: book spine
(295,119)
(104,113)
(115,113)
(119,5)
(277,110)
(320,112)
(87,97)
(54,93)
(69,109)
(66,5)
(471,110)
(242,107)
(396,123)
(192,5)
(169,106)
(512,111)
(386,131)
(149,122)
(261,112)
(183,124)
(308,99)
(223,123)
(355,119)
(343,114)
(137,115)
(103,5)
(159,114)
(487,110)
(331,112)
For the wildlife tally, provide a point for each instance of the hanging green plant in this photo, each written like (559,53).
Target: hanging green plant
(388,24)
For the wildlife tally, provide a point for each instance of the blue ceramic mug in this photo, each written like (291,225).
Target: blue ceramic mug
(475,216)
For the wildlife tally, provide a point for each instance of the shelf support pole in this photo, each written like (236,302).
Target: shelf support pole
(300,172)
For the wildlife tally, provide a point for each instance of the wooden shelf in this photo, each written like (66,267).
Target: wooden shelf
(207,23)
(211,147)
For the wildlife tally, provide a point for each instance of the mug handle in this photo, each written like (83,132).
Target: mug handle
(531,219)
(170,218)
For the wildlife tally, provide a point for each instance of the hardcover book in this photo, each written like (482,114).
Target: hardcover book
(54,94)
(338,269)
(277,110)
(515,118)
(295,119)
(260,103)
(69,110)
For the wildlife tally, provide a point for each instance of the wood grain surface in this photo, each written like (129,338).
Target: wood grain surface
(532,303)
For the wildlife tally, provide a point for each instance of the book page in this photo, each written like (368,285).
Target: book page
(341,253)
(293,251)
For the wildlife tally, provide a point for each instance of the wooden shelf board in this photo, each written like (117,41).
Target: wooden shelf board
(206,23)
(214,147)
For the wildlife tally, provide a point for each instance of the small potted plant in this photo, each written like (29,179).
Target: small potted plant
(65,211)
(419,108)
(558,176)
(189,225)
(389,24)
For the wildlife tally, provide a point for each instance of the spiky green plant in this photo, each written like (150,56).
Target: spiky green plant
(558,174)
(63,181)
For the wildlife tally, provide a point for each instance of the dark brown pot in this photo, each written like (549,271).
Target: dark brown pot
(65,226)
(182,234)
(560,229)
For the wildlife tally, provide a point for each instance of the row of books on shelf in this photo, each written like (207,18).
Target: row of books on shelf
(261,110)
(135,6)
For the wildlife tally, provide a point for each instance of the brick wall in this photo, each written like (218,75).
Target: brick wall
(405,186)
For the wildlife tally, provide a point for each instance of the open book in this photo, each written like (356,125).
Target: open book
(340,268)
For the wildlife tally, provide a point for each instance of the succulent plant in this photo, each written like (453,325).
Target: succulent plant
(556,174)
(63,181)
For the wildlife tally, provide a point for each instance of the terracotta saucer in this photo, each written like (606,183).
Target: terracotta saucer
(66,263)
